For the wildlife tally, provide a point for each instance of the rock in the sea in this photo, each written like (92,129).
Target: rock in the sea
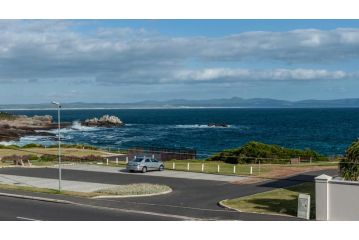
(104,121)
(12,127)
(217,125)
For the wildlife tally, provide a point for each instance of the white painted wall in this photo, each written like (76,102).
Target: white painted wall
(336,199)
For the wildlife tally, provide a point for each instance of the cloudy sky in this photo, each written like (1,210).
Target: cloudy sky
(129,61)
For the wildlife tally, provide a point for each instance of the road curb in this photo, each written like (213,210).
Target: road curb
(221,204)
(132,196)
(35,198)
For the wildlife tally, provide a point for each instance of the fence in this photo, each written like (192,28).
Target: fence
(336,199)
(213,167)
(163,154)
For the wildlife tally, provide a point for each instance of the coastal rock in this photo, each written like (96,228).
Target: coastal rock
(104,121)
(13,127)
(218,125)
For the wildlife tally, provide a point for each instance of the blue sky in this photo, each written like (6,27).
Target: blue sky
(135,60)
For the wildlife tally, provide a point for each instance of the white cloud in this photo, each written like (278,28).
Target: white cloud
(56,50)
(232,75)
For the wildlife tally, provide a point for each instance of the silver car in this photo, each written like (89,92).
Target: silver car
(144,164)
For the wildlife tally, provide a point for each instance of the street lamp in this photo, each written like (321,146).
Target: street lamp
(59,140)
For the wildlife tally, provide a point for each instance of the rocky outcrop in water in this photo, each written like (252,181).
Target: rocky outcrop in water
(104,121)
(13,127)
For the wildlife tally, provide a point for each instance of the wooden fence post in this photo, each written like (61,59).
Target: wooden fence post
(259,163)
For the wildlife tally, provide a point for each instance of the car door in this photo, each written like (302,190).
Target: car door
(148,163)
(155,163)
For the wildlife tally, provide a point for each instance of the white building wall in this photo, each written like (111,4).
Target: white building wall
(336,199)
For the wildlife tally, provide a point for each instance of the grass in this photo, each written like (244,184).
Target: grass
(120,190)
(45,190)
(280,201)
(261,170)
(135,189)
(241,169)
(212,167)
(53,151)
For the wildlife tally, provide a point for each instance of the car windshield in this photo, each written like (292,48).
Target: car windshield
(138,159)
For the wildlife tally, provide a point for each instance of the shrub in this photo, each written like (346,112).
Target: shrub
(7,116)
(33,157)
(348,166)
(9,147)
(32,145)
(266,152)
(48,158)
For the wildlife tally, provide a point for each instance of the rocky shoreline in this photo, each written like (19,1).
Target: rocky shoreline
(13,127)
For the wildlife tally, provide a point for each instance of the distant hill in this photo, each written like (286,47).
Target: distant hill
(234,102)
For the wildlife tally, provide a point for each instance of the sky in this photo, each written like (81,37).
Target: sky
(110,61)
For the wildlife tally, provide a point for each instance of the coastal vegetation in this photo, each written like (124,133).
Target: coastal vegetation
(39,153)
(349,166)
(7,116)
(35,145)
(267,153)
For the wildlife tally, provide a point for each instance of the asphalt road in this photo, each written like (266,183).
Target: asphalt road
(191,198)
(12,209)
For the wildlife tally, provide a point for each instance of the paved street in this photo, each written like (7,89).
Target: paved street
(166,173)
(190,198)
(12,209)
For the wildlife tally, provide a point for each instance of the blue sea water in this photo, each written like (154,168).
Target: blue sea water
(328,131)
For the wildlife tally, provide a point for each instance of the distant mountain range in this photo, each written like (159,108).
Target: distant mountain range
(234,102)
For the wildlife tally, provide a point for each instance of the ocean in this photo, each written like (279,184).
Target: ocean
(328,131)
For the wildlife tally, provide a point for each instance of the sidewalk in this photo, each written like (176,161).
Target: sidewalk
(52,183)
(166,173)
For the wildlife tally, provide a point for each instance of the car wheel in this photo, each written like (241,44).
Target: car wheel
(161,168)
(144,169)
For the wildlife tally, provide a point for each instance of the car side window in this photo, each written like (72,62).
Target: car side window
(147,160)
(154,160)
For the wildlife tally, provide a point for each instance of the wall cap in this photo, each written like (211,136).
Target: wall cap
(323,178)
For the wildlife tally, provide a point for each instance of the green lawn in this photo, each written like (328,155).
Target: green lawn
(280,201)
(52,151)
(240,169)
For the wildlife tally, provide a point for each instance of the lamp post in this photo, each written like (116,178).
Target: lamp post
(59,139)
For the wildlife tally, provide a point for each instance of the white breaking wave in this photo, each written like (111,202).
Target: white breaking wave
(76,125)
(44,140)
(200,126)
(8,143)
